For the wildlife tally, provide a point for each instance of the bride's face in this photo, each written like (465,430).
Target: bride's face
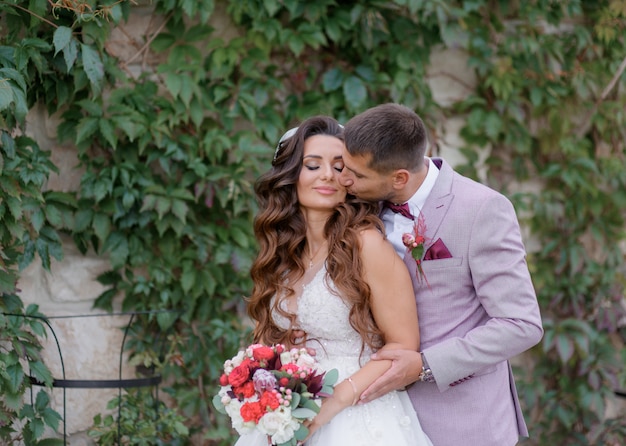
(318,185)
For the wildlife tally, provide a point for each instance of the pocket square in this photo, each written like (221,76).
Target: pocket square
(438,250)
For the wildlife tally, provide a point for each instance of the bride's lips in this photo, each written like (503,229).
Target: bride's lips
(326,190)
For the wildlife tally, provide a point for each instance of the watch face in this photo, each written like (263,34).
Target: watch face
(427,376)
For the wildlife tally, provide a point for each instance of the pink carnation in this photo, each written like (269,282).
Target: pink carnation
(263,380)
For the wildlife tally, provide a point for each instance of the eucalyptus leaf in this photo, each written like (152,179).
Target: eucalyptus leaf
(303,413)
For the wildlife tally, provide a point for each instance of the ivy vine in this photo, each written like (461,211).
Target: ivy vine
(172,137)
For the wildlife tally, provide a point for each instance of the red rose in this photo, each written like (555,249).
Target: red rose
(263,353)
(252,411)
(223,380)
(249,363)
(283,381)
(269,399)
(239,375)
(246,390)
(279,348)
(290,367)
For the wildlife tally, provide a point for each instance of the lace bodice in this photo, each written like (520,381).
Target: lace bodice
(323,315)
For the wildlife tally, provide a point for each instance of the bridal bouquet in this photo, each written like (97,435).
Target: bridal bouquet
(273,390)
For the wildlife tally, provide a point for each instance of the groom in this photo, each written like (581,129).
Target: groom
(476,303)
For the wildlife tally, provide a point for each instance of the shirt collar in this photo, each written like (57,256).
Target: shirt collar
(416,202)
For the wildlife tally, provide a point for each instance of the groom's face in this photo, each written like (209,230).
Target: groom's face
(362,181)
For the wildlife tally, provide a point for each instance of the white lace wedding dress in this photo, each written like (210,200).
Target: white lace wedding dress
(387,421)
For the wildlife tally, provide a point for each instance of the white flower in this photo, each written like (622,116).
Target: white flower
(223,393)
(234,412)
(286,358)
(250,349)
(230,364)
(306,361)
(279,425)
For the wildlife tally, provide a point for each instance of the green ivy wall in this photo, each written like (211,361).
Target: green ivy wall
(171,128)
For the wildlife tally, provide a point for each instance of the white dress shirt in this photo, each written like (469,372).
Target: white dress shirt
(397,224)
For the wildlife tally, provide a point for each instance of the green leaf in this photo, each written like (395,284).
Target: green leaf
(493,125)
(15,373)
(108,132)
(564,347)
(295,400)
(198,33)
(62,37)
(41,372)
(93,67)
(217,403)
(13,401)
(51,441)
(271,6)
(70,54)
(166,319)
(331,377)
(102,226)
(332,80)
(36,427)
(240,237)
(83,218)
(117,246)
(8,280)
(6,94)
(303,413)
(86,128)
(355,92)
(8,143)
(296,44)
(188,278)
(53,215)
(162,42)
(41,401)
(21,107)
(302,432)
(174,83)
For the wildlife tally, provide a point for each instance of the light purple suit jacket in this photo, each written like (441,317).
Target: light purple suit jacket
(479,310)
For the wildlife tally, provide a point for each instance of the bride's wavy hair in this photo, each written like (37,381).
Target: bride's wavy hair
(280,229)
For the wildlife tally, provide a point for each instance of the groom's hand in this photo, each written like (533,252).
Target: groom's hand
(405,369)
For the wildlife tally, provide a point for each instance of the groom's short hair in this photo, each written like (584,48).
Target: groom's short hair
(393,134)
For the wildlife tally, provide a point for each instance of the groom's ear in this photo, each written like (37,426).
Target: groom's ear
(400,178)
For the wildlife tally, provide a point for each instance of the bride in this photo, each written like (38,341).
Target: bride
(325,269)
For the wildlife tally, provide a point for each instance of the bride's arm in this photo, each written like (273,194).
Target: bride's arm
(395,313)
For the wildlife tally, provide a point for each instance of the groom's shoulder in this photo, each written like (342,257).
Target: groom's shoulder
(463,186)
(470,186)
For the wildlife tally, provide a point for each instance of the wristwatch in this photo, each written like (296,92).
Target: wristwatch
(426,375)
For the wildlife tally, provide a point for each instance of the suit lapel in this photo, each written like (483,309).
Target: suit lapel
(438,201)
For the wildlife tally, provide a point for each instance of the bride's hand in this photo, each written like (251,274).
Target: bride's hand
(331,406)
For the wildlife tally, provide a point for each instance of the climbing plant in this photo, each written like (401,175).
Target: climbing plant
(172,132)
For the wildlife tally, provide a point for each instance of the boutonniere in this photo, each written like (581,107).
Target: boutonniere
(415,244)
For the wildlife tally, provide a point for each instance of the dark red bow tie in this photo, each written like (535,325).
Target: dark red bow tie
(402,209)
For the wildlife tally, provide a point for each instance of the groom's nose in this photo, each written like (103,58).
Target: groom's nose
(345,178)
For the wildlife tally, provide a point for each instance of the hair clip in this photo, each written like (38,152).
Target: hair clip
(288,134)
